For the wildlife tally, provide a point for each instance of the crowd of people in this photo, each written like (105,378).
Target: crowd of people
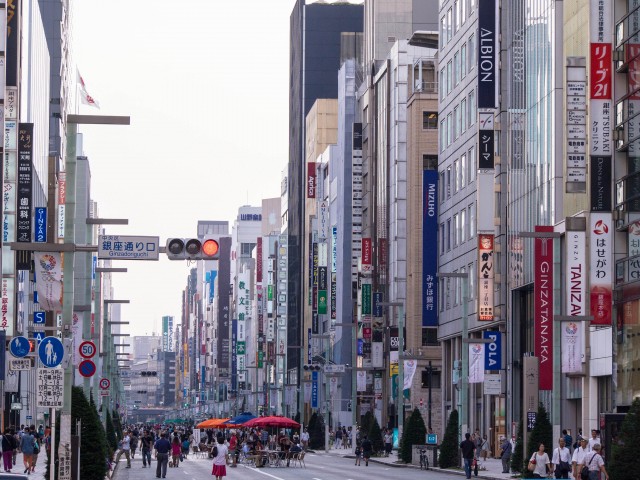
(26,440)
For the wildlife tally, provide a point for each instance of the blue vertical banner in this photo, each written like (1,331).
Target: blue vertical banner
(3,353)
(40,235)
(212,282)
(314,389)
(493,351)
(429,248)
(377,300)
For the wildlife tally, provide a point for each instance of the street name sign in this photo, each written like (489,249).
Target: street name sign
(50,387)
(121,247)
(334,368)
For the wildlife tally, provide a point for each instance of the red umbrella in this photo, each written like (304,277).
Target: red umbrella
(272,421)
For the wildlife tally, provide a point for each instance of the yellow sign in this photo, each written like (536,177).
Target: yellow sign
(393,369)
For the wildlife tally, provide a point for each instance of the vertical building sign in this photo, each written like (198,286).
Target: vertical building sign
(366,255)
(356,201)
(486,141)
(62,198)
(25,178)
(311,180)
(487,65)
(543,306)
(429,248)
(334,268)
(576,127)
(576,300)
(224,280)
(601,271)
(601,107)
(259,260)
(485,277)
(40,233)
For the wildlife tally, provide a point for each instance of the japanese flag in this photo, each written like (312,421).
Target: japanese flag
(85,98)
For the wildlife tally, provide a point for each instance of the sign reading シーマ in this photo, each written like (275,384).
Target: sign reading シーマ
(121,247)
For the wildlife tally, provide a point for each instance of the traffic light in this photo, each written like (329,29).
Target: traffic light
(206,248)
(149,374)
(312,367)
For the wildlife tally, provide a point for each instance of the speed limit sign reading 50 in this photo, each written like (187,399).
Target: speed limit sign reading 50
(105,383)
(87,349)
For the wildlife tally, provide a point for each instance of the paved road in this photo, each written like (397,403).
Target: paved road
(319,467)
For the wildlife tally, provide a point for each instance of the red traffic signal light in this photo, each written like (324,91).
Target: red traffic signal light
(210,248)
(193,248)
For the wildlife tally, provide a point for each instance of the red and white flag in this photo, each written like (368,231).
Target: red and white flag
(84,95)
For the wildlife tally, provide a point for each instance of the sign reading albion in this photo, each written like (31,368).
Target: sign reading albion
(487,81)
(543,307)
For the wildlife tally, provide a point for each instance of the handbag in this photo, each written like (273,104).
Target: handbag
(584,473)
(532,463)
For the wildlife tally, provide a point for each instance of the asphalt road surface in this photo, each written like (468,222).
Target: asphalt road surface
(318,467)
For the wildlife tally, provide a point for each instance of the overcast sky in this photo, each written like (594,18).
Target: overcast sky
(206,85)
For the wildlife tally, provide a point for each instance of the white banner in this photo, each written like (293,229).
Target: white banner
(601,269)
(409,371)
(476,362)
(571,347)
(576,288)
(361,381)
(8,305)
(377,360)
(307,392)
(11,378)
(48,273)
(333,386)
(76,331)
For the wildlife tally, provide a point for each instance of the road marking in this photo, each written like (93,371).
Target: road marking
(263,473)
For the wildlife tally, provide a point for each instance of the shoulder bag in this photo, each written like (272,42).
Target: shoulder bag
(584,473)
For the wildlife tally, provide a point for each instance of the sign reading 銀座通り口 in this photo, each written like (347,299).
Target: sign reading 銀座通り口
(121,247)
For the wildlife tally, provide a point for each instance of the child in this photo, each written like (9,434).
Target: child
(358,454)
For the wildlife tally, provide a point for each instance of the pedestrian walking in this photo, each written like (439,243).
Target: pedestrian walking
(578,457)
(367,448)
(358,453)
(338,443)
(36,448)
(505,454)
(125,448)
(134,444)
(468,448)
(539,464)
(304,437)
(7,450)
(176,449)
(26,446)
(561,459)
(146,443)
(594,463)
(484,448)
(388,442)
(568,439)
(162,447)
(220,459)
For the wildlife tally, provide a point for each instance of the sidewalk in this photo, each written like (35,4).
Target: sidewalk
(491,469)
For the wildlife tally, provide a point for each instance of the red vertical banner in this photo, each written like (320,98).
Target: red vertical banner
(543,307)
(311,180)
(485,277)
(366,254)
(259,260)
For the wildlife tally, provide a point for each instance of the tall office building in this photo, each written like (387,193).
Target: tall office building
(315,41)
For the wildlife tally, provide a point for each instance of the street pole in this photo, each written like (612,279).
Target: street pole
(429,373)
(400,368)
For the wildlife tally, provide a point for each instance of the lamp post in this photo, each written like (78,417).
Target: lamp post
(464,393)
(400,393)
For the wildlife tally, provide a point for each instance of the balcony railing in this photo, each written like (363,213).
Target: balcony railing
(425,87)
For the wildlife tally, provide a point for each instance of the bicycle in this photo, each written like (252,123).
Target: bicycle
(424,459)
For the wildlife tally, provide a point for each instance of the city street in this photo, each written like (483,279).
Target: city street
(319,467)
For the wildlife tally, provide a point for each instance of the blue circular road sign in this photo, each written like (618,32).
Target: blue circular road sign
(87,368)
(50,351)
(19,347)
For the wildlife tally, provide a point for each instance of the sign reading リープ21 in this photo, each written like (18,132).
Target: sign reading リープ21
(121,247)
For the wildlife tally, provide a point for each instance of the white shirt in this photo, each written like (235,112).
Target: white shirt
(513,444)
(305,436)
(592,442)
(578,455)
(561,455)
(126,443)
(541,463)
(221,458)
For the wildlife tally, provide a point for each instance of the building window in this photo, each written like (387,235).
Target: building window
(456,67)
(246,249)
(472,107)
(463,114)
(430,120)
(429,336)
(448,234)
(443,38)
(472,52)
(456,221)
(441,186)
(472,220)
(463,60)
(457,116)
(443,135)
(443,90)
(463,11)
(472,282)
(456,181)
(457,8)
(449,130)
(463,170)
(436,379)
(441,293)
(449,24)
(463,225)
(442,238)
(472,164)
(429,162)
(449,182)
(456,295)
(449,76)
(473,6)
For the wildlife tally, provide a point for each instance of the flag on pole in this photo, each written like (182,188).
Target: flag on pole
(84,95)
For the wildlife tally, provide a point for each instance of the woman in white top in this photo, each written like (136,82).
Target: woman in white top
(542,463)
(220,460)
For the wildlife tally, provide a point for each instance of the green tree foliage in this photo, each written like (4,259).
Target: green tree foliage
(93,452)
(542,433)
(449,449)
(624,464)
(414,434)
(366,421)
(516,456)
(316,432)
(375,435)
(112,441)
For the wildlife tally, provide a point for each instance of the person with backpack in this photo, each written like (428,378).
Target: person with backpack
(26,446)
(592,466)
(367,448)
